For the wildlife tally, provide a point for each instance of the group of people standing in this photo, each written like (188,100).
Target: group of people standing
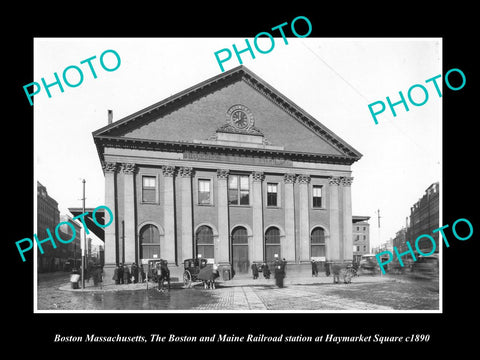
(279,270)
(125,275)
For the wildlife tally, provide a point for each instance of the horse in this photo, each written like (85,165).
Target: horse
(208,275)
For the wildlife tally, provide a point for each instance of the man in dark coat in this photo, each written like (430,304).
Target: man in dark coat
(135,273)
(116,275)
(314,268)
(254,271)
(120,273)
(266,271)
(126,275)
(279,268)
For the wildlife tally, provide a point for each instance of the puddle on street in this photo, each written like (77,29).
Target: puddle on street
(175,299)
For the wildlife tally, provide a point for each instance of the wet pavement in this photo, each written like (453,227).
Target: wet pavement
(376,293)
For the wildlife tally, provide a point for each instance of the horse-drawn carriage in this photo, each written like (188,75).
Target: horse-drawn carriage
(200,270)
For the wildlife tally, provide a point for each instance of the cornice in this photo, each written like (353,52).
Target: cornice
(174,146)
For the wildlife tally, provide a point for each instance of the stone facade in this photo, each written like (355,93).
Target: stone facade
(229,169)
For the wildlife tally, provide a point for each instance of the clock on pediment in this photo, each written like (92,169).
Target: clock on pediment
(240,117)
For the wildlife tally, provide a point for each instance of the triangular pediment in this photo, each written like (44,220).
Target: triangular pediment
(235,109)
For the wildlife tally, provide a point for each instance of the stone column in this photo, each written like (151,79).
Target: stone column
(167,252)
(288,246)
(303,212)
(222,247)
(347,218)
(129,212)
(257,211)
(110,231)
(187,217)
(333,242)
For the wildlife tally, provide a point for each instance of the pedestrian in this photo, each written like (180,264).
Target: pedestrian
(120,273)
(116,275)
(336,273)
(126,275)
(141,274)
(135,273)
(254,271)
(314,267)
(279,271)
(266,271)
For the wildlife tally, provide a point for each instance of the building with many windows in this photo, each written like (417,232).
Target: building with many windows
(48,217)
(231,170)
(424,218)
(361,237)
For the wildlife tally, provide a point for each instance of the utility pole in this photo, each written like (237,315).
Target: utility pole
(84,240)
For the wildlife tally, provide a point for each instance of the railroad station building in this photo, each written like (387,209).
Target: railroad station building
(230,170)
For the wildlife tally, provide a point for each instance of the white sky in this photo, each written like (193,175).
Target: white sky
(333,79)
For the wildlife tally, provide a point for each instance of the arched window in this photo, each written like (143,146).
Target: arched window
(149,242)
(204,242)
(240,250)
(272,243)
(317,242)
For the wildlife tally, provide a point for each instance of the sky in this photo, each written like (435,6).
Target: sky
(333,79)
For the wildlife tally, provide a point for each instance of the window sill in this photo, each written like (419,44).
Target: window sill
(318,208)
(149,203)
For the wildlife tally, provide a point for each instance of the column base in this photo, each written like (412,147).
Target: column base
(108,271)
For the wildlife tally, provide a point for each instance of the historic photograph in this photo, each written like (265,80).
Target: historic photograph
(306,178)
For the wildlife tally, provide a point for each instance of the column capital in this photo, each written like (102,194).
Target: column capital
(168,170)
(334,180)
(128,168)
(185,171)
(289,178)
(257,176)
(346,181)
(303,178)
(109,167)
(222,174)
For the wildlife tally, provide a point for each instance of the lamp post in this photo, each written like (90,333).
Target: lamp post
(83,243)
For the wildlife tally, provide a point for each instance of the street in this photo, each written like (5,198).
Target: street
(385,293)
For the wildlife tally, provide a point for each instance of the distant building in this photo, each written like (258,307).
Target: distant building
(361,237)
(424,218)
(70,254)
(48,216)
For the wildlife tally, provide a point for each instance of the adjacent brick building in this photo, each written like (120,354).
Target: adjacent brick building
(361,237)
(231,170)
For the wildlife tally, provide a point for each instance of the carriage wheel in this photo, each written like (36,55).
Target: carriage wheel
(187,279)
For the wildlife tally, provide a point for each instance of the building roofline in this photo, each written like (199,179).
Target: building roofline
(260,85)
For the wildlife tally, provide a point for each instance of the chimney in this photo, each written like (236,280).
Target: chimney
(110,116)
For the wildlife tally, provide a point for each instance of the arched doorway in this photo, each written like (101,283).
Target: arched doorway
(204,244)
(149,242)
(240,260)
(317,247)
(272,244)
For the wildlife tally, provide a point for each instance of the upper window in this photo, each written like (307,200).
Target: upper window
(239,190)
(317,196)
(149,189)
(204,191)
(272,194)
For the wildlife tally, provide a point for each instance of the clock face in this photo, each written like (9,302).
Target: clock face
(240,119)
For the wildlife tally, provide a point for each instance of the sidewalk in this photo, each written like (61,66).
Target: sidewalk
(237,281)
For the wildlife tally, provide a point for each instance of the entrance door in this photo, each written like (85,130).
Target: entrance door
(240,250)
